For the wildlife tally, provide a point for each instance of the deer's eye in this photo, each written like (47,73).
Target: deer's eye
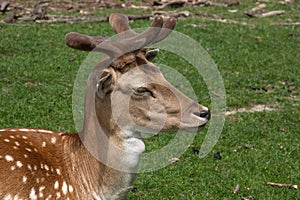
(142,91)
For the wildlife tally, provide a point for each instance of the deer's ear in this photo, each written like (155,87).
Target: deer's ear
(151,54)
(105,84)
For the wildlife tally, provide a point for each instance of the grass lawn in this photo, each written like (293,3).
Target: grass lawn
(258,60)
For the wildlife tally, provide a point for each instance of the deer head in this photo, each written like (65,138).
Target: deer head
(127,93)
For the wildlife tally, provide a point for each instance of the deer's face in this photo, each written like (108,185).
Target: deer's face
(143,100)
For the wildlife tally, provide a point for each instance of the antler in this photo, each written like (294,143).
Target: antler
(120,25)
(83,42)
(129,40)
(166,30)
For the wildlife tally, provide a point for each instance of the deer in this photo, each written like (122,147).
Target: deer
(42,164)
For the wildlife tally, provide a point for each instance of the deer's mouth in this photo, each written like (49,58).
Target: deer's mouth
(194,128)
(196,122)
(201,127)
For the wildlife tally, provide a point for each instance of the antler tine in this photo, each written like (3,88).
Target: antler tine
(147,36)
(89,43)
(80,41)
(167,28)
(119,23)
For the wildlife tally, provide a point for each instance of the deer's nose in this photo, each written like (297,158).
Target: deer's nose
(203,114)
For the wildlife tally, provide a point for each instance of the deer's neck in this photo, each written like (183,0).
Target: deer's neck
(94,179)
(104,161)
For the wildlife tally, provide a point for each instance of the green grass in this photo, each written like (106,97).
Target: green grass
(259,63)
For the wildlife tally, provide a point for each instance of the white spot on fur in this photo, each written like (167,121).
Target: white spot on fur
(7,197)
(12,168)
(56,185)
(8,158)
(53,140)
(46,167)
(25,156)
(42,188)
(12,137)
(6,140)
(64,188)
(19,164)
(24,137)
(24,179)
(41,191)
(71,188)
(44,144)
(58,171)
(17,143)
(32,194)
(49,197)
(28,149)
(34,167)
(58,195)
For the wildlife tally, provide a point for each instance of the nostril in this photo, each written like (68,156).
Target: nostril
(203,114)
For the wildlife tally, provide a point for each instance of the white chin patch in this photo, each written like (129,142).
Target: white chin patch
(134,147)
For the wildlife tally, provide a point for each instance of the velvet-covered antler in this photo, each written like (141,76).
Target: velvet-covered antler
(129,40)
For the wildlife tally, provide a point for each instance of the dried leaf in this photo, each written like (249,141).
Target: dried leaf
(236,189)
(31,84)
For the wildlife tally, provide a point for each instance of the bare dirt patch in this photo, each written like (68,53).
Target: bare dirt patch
(255,108)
